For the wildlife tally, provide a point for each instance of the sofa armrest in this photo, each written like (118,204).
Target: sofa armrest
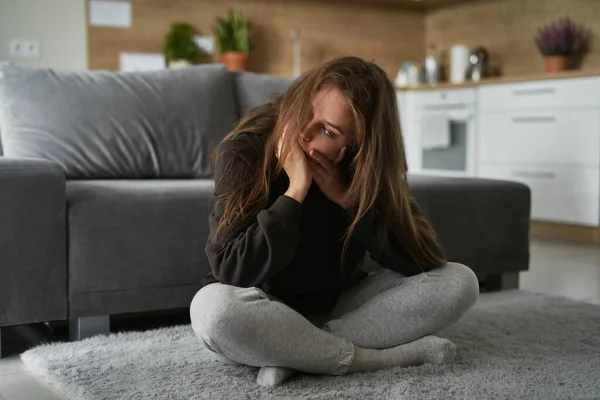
(483,223)
(33,250)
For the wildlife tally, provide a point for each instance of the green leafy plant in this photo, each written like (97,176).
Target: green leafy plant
(233,33)
(180,44)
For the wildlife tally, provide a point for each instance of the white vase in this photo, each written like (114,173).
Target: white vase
(176,64)
(459,63)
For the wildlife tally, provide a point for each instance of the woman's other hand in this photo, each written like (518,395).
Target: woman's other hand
(328,176)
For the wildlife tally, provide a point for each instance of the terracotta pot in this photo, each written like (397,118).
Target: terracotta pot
(556,63)
(235,61)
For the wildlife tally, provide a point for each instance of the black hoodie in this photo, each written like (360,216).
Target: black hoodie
(293,250)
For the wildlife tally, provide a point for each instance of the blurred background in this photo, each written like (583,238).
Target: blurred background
(290,36)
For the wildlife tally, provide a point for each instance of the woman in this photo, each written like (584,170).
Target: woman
(304,187)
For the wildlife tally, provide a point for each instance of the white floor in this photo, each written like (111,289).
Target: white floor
(564,269)
(556,268)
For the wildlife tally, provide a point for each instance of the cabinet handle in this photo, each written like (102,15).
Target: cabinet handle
(522,120)
(525,92)
(443,107)
(533,174)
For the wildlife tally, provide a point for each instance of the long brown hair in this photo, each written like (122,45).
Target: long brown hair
(377,169)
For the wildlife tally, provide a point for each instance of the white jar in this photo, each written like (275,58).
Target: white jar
(459,63)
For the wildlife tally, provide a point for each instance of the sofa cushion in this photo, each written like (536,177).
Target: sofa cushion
(33,264)
(100,124)
(483,223)
(255,89)
(134,235)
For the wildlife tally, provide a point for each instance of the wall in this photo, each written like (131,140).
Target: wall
(60,25)
(506,28)
(385,34)
(328,29)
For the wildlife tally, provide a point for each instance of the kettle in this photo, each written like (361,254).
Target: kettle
(478,60)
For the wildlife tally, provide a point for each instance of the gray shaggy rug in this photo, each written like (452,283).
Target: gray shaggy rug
(511,345)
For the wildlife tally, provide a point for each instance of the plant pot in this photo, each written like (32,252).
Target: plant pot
(176,64)
(556,63)
(235,61)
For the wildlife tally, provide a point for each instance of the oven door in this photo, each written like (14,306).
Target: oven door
(446,142)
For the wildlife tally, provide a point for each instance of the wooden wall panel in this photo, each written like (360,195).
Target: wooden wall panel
(330,28)
(386,35)
(506,28)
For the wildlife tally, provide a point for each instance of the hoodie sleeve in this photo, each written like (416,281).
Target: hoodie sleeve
(254,255)
(382,244)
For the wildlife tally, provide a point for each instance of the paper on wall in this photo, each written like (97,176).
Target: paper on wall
(110,13)
(132,62)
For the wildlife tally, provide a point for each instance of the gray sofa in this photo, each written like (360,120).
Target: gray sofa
(105,190)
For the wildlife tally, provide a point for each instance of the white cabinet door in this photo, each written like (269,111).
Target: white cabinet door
(556,93)
(445,99)
(558,194)
(558,137)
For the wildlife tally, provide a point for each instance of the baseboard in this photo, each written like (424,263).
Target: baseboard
(571,233)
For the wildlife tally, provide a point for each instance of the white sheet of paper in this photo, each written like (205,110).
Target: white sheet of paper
(141,62)
(110,13)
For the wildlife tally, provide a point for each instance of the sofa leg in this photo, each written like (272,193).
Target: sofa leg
(85,327)
(505,281)
(0,343)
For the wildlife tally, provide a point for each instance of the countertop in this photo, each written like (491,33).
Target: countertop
(505,79)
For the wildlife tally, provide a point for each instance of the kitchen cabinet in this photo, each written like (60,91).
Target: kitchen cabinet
(556,93)
(555,137)
(545,134)
(558,193)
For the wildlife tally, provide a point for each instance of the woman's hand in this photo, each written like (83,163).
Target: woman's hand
(328,176)
(297,168)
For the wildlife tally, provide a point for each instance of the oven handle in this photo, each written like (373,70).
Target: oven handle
(446,107)
(533,174)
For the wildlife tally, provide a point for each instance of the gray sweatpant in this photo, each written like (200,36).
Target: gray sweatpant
(386,309)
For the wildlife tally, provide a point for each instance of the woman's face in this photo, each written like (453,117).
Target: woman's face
(331,128)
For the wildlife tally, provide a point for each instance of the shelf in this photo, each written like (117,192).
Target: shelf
(504,79)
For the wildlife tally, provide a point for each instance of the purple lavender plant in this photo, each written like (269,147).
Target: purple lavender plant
(561,38)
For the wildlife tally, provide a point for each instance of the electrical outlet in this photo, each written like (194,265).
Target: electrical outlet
(25,48)
(206,44)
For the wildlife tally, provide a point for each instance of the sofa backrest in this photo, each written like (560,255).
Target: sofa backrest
(103,125)
(255,89)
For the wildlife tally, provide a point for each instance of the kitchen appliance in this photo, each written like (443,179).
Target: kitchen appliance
(432,67)
(459,63)
(478,61)
(296,53)
(439,128)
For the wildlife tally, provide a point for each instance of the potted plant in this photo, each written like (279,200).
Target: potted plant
(559,42)
(180,48)
(234,40)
